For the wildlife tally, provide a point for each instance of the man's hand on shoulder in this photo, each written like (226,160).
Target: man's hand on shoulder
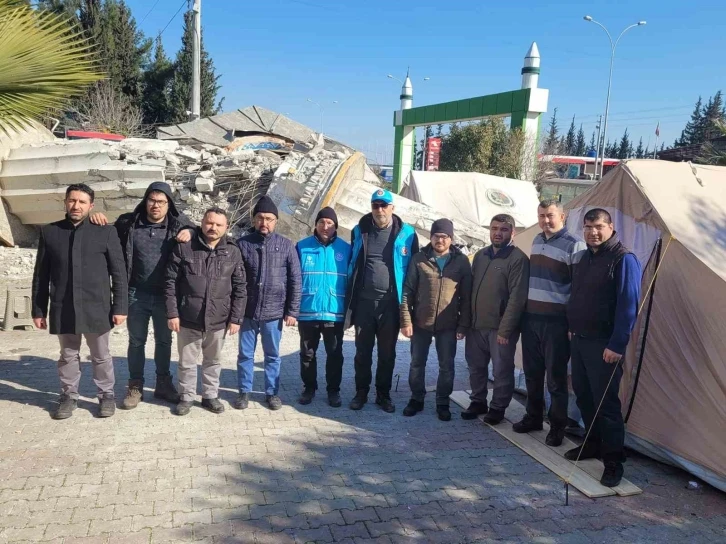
(98,219)
(184,236)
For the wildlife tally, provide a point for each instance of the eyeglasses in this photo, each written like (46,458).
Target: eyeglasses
(160,203)
(379,205)
(440,237)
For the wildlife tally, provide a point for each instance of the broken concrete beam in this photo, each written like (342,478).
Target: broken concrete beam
(121,171)
(135,189)
(204,185)
(189,153)
(60,148)
(213,149)
(208,174)
(242,155)
(269,155)
(146,145)
(46,172)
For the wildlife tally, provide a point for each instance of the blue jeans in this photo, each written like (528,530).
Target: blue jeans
(144,306)
(271,332)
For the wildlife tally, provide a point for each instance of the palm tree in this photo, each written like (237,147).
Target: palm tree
(45,62)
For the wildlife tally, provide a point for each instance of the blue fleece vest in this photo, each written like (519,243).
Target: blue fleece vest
(324,279)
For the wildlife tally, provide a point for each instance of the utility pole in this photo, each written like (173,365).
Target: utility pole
(196,60)
(597,152)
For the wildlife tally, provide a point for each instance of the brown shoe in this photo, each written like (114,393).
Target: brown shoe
(134,394)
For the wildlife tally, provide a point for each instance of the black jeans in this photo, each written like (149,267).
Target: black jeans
(446,352)
(145,306)
(332,333)
(376,322)
(545,352)
(590,377)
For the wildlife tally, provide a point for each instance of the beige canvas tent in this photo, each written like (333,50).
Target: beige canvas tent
(673,216)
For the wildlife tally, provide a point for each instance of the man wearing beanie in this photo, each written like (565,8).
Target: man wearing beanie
(324,263)
(382,247)
(435,306)
(273,296)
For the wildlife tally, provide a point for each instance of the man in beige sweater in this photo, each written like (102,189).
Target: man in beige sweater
(498,298)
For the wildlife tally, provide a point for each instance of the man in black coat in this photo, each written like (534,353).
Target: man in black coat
(78,267)
(205,299)
(148,235)
(274,283)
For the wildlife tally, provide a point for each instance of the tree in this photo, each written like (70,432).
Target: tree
(105,110)
(488,147)
(439,130)
(592,145)
(157,88)
(551,145)
(639,153)
(570,140)
(647,154)
(713,113)
(693,132)
(709,153)
(622,152)
(44,63)
(180,96)
(580,145)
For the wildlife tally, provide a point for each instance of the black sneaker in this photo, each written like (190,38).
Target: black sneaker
(493,417)
(384,401)
(213,405)
(165,389)
(334,400)
(106,407)
(528,424)
(413,407)
(555,436)
(306,397)
(613,474)
(242,401)
(474,410)
(274,402)
(66,405)
(443,412)
(183,407)
(359,401)
(588,450)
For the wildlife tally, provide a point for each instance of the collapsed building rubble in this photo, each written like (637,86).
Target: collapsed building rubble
(208,163)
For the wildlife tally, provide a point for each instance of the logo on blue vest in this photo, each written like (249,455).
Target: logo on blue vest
(309,260)
(338,256)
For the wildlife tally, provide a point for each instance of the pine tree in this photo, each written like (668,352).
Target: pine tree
(622,152)
(639,153)
(712,114)
(552,142)
(181,87)
(157,87)
(592,145)
(647,154)
(690,134)
(570,139)
(439,130)
(580,145)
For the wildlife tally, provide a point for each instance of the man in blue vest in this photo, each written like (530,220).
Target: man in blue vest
(324,263)
(382,248)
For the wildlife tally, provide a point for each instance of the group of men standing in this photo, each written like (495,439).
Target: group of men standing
(570,300)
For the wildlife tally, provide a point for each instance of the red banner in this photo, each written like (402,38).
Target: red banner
(433,152)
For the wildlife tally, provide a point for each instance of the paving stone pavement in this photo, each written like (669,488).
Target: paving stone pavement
(302,474)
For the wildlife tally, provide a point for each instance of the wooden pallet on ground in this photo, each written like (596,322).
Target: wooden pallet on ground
(585,476)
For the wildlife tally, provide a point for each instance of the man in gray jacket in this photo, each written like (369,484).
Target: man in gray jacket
(499,295)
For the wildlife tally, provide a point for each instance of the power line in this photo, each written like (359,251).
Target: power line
(173,17)
(148,13)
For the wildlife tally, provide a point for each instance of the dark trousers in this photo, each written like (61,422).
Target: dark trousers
(332,333)
(376,322)
(545,352)
(590,378)
(145,306)
(446,352)
(481,346)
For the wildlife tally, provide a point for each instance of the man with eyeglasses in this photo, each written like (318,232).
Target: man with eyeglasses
(148,236)
(274,282)
(382,247)
(436,306)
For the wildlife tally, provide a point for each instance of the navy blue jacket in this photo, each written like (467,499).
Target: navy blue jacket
(273,276)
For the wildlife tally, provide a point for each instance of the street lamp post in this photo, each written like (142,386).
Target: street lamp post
(321,111)
(610,79)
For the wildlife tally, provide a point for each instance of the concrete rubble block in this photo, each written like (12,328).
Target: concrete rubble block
(184,194)
(60,148)
(208,174)
(204,185)
(242,155)
(194,168)
(135,189)
(172,159)
(48,172)
(127,172)
(146,161)
(148,145)
(117,205)
(213,149)
(189,153)
(269,155)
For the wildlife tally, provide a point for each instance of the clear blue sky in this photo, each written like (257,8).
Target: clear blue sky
(278,53)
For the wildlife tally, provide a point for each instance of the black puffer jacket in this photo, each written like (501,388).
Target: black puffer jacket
(273,274)
(126,223)
(205,287)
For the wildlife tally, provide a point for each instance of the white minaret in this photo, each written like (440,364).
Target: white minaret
(530,70)
(407,93)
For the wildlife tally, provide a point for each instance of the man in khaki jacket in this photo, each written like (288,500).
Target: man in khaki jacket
(499,295)
(435,305)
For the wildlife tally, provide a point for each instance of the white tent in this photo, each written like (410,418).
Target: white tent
(474,197)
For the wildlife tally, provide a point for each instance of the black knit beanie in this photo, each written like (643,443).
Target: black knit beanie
(327,213)
(442,226)
(265,205)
